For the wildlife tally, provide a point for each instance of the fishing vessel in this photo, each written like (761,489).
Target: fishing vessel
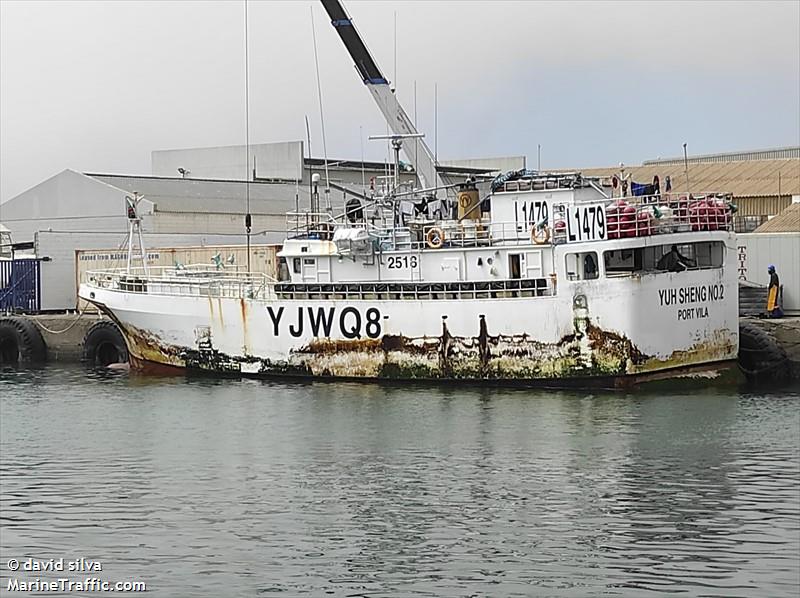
(542,278)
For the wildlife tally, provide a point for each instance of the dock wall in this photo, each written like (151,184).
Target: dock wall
(786,332)
(64,333)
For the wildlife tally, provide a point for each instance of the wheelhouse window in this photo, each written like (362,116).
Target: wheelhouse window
(582,266)
(664,258)
(710,254)
(296,265)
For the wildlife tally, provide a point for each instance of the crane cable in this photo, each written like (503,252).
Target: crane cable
(248,219)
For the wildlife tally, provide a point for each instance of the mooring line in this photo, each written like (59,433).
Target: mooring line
(46,329)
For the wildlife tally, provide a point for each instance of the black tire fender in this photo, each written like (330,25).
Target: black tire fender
(760,355)
(21,341)
(104,344)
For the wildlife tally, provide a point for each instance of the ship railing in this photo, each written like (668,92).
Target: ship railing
(418,291)
(643,216)
(322,225)
(452,233)
(311,225)
(622,218)
(468,233)
(545,182)
(416,235)
(195,281)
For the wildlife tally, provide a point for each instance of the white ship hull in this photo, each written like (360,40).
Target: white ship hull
(603,331)
(601,302)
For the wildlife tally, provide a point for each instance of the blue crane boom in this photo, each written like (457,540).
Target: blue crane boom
(423,162)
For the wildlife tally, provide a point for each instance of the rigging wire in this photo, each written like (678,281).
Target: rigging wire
(436,123)
(310,164)
(395,51)
(363,174)
(248,219)
(416,130)
(321,114)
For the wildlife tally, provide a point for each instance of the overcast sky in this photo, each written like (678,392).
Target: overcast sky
(96,86)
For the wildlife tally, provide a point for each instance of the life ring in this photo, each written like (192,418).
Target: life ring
(540,235)
(104,344)
(435,238)
(21,341)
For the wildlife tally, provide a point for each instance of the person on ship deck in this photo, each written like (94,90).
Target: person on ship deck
(674,261)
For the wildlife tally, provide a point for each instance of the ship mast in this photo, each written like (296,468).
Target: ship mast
(136,248)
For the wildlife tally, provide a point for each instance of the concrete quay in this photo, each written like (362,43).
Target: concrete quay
(64,333)
(786,334)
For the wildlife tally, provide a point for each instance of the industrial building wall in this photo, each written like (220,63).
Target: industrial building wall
(272,228)
(349,177)
(756,251)
(207,196)
(68,201)
(272,161)
(762,206)
(501,164)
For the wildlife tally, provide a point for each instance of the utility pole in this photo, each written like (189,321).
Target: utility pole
(686,167)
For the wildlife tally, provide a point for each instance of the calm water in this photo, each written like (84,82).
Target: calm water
(239,487)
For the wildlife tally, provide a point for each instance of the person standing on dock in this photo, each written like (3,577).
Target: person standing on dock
(773,303)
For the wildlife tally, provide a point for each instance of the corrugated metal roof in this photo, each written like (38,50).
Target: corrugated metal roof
(787,221)
(778,153)
(753,178)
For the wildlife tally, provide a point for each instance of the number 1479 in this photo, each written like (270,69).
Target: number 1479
(586,223)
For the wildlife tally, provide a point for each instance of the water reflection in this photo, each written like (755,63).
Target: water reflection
(235,487)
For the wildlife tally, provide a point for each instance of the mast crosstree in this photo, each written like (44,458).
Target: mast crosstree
(401,125)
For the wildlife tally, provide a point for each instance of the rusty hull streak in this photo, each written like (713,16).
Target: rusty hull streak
(479,357)
(718,347)
(145,350)
(153,368)
(487,357)
(482,357)
(245,334)
(213,311)
(144,346)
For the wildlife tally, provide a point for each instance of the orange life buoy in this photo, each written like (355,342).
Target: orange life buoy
(435,238)
(540,235)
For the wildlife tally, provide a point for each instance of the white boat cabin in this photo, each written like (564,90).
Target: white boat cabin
(526,236)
